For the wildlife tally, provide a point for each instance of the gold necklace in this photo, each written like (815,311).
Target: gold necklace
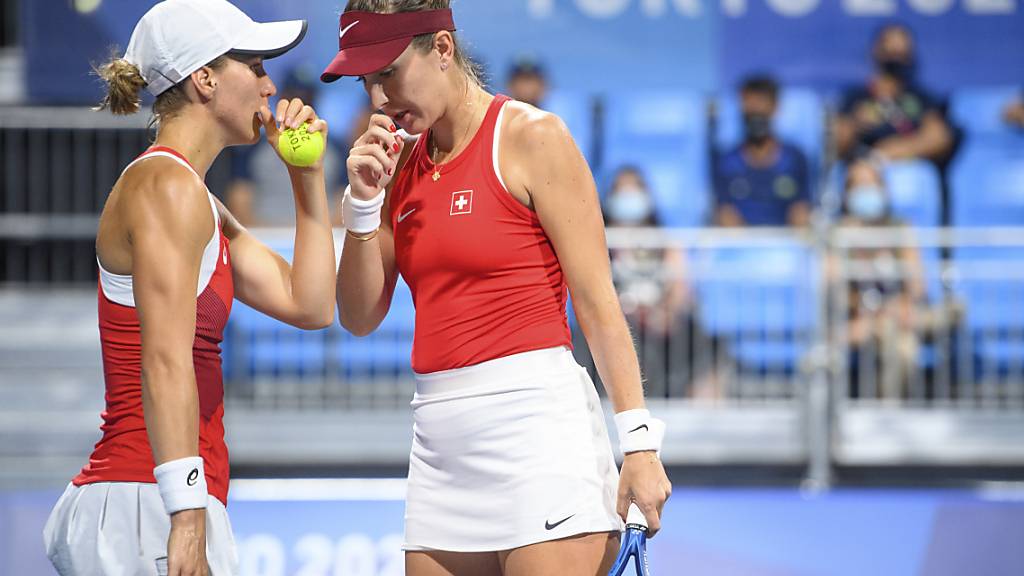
(434,149)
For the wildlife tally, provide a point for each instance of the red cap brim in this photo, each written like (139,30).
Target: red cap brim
(363,60)
(368,41)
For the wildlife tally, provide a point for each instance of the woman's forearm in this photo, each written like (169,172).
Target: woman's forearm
(611,346)
(313,264)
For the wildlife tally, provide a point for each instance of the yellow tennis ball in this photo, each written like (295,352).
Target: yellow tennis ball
(299,147)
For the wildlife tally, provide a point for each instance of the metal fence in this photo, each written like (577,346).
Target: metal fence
(860,346)
(58,165)
(747,340)
(827,347)
(927,346)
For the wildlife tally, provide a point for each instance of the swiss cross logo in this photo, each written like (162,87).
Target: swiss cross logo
(462,203)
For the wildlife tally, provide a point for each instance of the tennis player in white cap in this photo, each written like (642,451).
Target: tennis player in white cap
(152,498)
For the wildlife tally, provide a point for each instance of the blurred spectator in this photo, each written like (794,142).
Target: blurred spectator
(763,181)
(892,115)
(885,311)
(527,82)
(650,284)
(259,193)
(1014,112)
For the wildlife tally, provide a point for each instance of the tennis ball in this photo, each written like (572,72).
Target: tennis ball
(299,147)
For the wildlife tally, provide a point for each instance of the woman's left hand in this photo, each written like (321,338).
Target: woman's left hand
(643,480)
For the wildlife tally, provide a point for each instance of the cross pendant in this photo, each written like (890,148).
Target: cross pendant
(437,175)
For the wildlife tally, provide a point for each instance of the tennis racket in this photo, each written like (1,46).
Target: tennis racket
(634,544)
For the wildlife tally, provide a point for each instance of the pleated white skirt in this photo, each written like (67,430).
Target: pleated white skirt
(121,528)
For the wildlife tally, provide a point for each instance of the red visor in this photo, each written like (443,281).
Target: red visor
(369,41)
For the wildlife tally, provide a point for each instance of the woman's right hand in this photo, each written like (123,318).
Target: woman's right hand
(292,114)
(374,157)
(186,546)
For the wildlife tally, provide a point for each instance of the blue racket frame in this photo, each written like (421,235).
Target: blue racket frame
(634,547)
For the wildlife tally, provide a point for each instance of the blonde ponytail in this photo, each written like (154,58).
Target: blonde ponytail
(124,83)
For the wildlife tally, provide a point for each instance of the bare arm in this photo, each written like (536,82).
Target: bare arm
(300,293)
(728,216)
(368,273)
(168,225)
(798,215)
(914,292)
(844,135)
(1013,114)
(543,162)
(932,140)
(562,190)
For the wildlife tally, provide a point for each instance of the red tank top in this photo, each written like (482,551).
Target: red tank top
(484,276)
(123,454)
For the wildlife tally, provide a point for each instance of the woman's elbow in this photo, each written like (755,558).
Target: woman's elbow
(316,320)
(357,326)
(592,310)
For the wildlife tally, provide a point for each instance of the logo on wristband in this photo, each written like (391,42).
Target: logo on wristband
(193,476)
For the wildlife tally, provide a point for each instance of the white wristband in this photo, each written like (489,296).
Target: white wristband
(361,216)
(638,431)
(182,484)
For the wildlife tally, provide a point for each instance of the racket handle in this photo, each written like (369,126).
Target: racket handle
(635,517)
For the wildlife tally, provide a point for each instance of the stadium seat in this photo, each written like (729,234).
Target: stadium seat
(987,187)
(800,120)
(762,300)
(915,189)
(979,111)
(993,292)
(258,345)
(265,346)
(386,351)
(665,135)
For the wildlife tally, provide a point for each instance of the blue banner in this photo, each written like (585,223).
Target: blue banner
(354,527)
(599,46)
(827,43)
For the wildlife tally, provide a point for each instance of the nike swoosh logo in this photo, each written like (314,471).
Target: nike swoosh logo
(406,215)
(644,426)
(550,526)
(346,29)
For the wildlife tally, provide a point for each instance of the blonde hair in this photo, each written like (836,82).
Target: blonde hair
(125,83)
(424,42)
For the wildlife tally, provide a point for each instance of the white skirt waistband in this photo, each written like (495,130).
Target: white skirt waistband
(498,373)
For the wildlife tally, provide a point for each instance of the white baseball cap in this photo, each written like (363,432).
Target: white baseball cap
(177,37)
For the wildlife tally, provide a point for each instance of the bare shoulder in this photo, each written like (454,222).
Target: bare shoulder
(159,190)
(537,152)
(531,129)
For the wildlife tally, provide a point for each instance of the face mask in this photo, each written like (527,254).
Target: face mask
(896,68)
(757,127)
(629,207)
(867,202)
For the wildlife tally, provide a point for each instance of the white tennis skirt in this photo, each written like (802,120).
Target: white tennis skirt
(121,528)
(507,453)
